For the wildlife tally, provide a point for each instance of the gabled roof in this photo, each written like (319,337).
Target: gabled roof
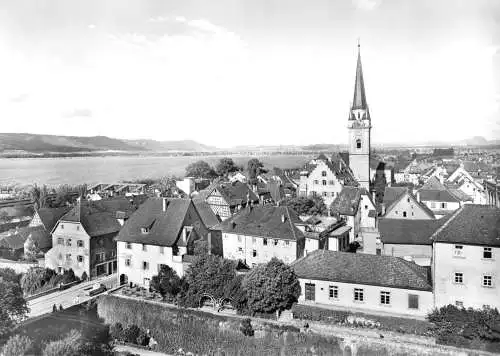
(164,226)
(234,193)
(337,165)
(50,216)
(433,183)
(265,221)
(364,269)
(471,224)
(438,196)
(15,239)
(408,193)
(408,231)
(462,196)
(347,201)
(391,194)
(206,213)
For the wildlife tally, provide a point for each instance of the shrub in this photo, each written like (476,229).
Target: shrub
(143,338)
(131,333)
(116,331)
(17,346)
(69,346)
(84,276)
(246,327)
(167,282)
(69,276)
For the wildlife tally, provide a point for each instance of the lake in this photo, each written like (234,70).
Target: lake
(78,170)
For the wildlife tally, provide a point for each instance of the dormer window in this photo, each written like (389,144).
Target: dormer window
(358,143)
(144,230)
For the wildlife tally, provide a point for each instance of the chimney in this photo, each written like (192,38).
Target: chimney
(418,196)
(78,208)
(209,240)
(282,218)
(165,204)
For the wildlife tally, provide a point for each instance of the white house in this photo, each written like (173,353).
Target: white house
(365,283)
(161,232)
(400,203)
(258,233)
(466,255)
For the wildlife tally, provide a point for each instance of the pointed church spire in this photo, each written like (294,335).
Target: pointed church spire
(359,100)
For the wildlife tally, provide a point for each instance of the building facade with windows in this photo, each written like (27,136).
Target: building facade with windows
(258,233)
(364,282)
(400,203)
(162,231)
(466,255)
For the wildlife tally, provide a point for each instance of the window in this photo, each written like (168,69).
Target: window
(144,230)
(240,249)
(459,304)
(366,207)
(287,243)
(324,181)
(145,265)
(162,250)
(396,212)
(159,266)
(77,227)
(59,270)
(433,205)
(458,251)
(310,292)
(239,238)
(68,257)
(313,193)
(487,281)
(79,243)
(487,252)
(127,262)
(443,205)
(404,214)
(275,242)
(254,240)
(128,245)
(358,295)
(68,242)
(100,256)
(331,182)
(412,301)
(385,298)
(333,292)
(459,277)
(265,242)
(79,258)
(358,143)
(408,200)
(323,174)
(325,194)
(62,226)
(316,181)
(254,253)
(60,241)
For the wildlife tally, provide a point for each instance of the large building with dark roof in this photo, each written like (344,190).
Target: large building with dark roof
(363,282)
(163,231)
(258,233)
(466,255)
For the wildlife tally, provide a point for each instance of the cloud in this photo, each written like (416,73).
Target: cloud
(19,98)
(91,26)
(366,5)
(77,113)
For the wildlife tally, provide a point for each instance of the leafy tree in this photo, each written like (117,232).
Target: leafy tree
(69,276)
(379,184)
(84,276)
(13,306)
(38,196)
(143,338)
(226,165)
(208,274)
(270,287)
(17,345)
(307,206)
(68,346)
(246,327)
(37,277)
(8,274)
(30,249)
(353,247)
(234,291)
(167,282)
(201,248)
(116,331)
(255,167)
(200,169)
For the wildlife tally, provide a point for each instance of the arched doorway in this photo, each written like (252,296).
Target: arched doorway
(123,279)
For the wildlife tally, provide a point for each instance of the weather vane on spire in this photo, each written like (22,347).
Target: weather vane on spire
(358,43)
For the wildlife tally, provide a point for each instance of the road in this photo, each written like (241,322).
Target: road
(66,298)
(138,351)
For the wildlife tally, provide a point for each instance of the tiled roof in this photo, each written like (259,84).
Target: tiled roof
(365,269)
(50,216)
(408,193)
(347,201)
(15,239)
(13,225)
(391,194)
(99,217)
(407,231)
(338,166)
(265,221)
(206,213)
(460,195)
(433,183)
(472,224)
(437,195)
(233,193)
(164,226)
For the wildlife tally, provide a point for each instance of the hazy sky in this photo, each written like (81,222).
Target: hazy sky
(230,72)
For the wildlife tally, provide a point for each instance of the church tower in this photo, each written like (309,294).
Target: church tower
(359,126)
